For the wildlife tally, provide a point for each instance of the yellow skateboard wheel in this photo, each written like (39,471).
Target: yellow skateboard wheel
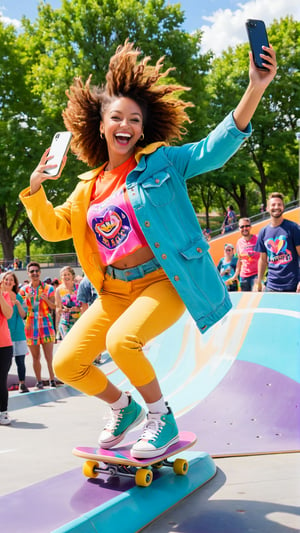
(88,469)
(180,467)
(143,477)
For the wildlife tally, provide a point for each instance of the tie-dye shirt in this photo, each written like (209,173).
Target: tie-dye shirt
(39,328)
(279,243)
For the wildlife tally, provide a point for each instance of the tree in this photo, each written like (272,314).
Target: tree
(17,121)
(42,60)
(270,155)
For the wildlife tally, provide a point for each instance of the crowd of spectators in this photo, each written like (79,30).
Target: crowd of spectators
(35,314)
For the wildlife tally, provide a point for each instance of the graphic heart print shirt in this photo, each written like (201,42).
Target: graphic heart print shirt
(279,243)
(112,218)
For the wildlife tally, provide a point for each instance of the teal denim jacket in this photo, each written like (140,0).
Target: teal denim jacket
(158,193)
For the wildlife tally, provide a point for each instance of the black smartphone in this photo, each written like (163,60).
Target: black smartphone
(58,149)
(258,37)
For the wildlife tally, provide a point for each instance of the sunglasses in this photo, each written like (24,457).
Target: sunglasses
(245,226)
(228,249)
(32,271)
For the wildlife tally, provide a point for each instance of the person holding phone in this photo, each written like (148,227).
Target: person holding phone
(68,307)
(227,267)
(135,231)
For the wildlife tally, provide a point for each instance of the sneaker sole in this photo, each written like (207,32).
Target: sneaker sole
(116,440)
(156,452)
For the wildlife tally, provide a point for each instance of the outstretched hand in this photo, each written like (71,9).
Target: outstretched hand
(39,176)
(261,77)
(259,81)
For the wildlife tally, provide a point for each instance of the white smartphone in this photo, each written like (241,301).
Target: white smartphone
(58,149)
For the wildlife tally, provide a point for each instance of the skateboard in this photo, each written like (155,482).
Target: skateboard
(119,462)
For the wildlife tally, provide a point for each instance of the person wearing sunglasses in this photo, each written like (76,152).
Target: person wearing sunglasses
(39,328)
(247,263)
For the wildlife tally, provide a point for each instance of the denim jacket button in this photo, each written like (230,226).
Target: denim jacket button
(156,244)
(164,256)
(199,250)
(176,278)
(147,223)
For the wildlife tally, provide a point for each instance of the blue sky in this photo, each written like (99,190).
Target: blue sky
(222,21)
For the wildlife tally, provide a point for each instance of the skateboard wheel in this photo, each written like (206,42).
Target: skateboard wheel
(88,469)
(180,467)
(143,477)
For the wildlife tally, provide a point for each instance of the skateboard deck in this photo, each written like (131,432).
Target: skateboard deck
(119,462)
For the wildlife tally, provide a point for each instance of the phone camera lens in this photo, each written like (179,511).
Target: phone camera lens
(57,136)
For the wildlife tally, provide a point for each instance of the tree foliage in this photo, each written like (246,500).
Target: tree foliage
(270,155)
(76,40)
(37,66)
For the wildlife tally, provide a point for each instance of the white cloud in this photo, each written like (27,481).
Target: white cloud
(6,21)
(227,27)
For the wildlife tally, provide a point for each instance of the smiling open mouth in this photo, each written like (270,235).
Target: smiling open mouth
(123,138)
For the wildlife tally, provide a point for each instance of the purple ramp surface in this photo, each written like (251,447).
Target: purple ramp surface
(57,501)
(253,410)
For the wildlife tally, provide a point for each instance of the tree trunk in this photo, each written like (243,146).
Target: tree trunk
(8,245)
(6,238)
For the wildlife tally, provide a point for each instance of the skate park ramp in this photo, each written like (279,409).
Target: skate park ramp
(237,386)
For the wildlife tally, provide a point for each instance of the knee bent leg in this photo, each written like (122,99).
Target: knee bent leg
(122,346)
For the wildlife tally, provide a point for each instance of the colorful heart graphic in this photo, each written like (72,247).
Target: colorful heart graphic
(276,246)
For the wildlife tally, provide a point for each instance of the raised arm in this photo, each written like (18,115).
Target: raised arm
(259,81)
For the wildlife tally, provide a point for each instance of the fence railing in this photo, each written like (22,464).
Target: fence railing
(256,218)
(45,260)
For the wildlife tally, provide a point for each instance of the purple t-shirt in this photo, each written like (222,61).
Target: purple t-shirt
(279,243)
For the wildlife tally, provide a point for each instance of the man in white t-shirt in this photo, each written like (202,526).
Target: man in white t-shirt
(247,264)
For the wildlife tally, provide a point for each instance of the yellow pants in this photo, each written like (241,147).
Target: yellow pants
(122,320)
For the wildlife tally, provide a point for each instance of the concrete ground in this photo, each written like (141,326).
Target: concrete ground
(249,494)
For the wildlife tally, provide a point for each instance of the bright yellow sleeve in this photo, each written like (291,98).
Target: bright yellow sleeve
(52,223)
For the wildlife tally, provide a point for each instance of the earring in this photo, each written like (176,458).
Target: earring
(142,137)
(101,135)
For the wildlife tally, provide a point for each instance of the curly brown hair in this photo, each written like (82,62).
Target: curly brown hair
(164,114)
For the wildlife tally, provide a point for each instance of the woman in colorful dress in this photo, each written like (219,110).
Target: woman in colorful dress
(67,306)
(16,327)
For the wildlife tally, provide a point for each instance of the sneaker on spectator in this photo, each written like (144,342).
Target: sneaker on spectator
(4,418)
(53,383)
(39,385)
(23,388)
(121,421)
(160,432)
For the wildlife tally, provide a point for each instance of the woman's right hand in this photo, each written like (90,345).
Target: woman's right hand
(38,176)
